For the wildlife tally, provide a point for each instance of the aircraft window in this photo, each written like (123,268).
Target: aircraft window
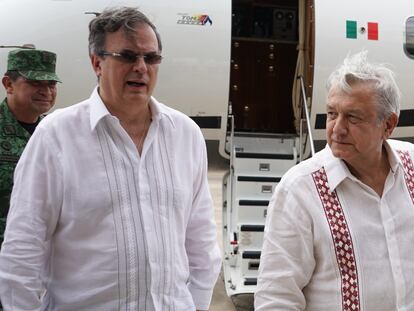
(409,37)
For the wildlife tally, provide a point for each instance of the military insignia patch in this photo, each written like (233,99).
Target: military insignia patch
(6,145)
(9,130)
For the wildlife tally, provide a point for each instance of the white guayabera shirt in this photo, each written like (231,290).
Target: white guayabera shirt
(331,243)
(101,227)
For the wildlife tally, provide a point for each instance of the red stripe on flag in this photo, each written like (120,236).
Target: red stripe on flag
(372,31)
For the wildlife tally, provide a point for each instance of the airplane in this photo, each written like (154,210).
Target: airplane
(250,73)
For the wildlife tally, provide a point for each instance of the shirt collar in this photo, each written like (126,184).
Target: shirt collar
(98,110)
(159,110)
(337,171)
(4,106)
(393,158)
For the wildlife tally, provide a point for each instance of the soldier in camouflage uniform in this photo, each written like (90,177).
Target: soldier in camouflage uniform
(30,84)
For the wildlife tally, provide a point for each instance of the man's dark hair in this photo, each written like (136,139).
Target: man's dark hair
(13,75)
(113,19)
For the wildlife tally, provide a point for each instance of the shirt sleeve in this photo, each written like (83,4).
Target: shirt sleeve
(201,237)
(34,212)
(287,259)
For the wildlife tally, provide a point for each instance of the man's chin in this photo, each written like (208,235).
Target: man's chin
(138,97)
(340,153)
(44,107)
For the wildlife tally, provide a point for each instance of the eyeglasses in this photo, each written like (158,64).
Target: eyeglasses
(130,57)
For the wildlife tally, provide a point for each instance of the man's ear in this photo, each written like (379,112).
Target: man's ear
(8,84)
(96,64)
(390,124)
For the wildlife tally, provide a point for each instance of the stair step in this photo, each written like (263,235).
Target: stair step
(253,266)
(251,254)
(252,228)
(250,281)
(254,202)
(269,165)
(258,179)
(276,156)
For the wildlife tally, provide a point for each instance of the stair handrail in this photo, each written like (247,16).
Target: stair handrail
(232,155)
(231,116)
(305,111)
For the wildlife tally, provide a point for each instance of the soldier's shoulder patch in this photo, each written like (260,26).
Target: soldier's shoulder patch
(6,145)
(9,158)
(9,129)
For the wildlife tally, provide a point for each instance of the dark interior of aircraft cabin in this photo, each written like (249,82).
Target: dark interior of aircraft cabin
(263,60)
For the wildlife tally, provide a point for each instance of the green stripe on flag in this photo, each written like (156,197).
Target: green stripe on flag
(351,29)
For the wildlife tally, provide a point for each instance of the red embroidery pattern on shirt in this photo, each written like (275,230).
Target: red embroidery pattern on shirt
(408,171)
(342,240)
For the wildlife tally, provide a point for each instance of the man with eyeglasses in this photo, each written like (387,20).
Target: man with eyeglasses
(30,84)
(111,208)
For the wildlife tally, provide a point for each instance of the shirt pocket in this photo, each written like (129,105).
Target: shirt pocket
(167,201)
(86,203)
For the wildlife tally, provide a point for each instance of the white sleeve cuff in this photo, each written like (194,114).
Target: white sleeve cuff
(201,297)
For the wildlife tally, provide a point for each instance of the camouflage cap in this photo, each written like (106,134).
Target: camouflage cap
(33,64)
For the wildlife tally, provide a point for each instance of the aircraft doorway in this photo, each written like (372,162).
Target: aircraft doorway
(264,55)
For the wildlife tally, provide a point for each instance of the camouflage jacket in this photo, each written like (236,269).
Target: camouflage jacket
(13,139)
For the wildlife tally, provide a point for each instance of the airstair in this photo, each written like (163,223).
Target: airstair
(257,163)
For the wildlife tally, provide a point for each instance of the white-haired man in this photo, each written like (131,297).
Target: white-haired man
(339,232)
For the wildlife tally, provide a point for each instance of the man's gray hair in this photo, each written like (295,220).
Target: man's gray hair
(356,69)
(113,19)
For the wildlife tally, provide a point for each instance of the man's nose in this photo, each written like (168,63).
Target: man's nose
(140,65)
(341,125)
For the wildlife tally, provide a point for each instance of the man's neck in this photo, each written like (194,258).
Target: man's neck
(22,115)
(29,127)
(136,124)
(372,173)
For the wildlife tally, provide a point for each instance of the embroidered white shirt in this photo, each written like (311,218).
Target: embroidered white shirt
(357,254)
(95,226)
